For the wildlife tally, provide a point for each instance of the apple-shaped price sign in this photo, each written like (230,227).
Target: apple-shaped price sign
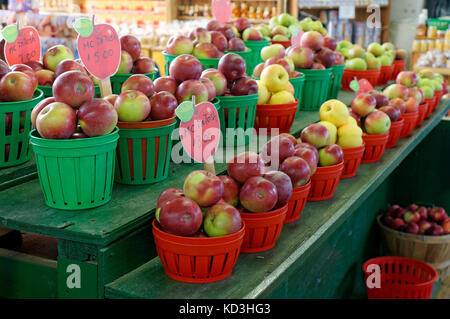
(99,49)
(296,35)
(360,86)
(22,45)
(199,131)
(221,10)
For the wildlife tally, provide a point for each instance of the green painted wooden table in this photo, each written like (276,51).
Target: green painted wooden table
(11,176)
(314,257)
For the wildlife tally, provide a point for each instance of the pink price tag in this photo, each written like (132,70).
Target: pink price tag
(99,49)
(22,46)
(200,136)
(295,39)
(221,10)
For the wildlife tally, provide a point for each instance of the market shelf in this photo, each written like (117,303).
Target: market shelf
(15,175)
(263,273)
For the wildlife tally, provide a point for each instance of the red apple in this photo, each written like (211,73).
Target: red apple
(4,68)
(163,105)
(399,104)
(181,216)
(424,225)
(339,58)
(56,54)
(326,57)
(190,88)
(185,67)
(126,63)
(393,113)
(245,165)
(316,134)
(73,88)
(380,98)
(435,230)
(222,219)
(200,35)
(241,24)
(205,50)
(417,94)
(446,226)
(311,156)
(230,190)
(330,43)
(407,78)
(132,106)
(165,83)
(313,40)
(111,99)
(28,71)
(283,185)
(411,217)
(330,155)
(213,25)
(236,44)
(423,212)
(232,66)
(38,108)
(355,116)
(204,188)
(56,121)
(219,80)
(412,228)
(179,44)
(297,169)
(244,86)
(258,69)
(317,66)
(210,87)
(35,65)
(227,31)
(258,195)
(140,83)
(277,149)
(97,117)
(165,197)
(219,41)
(68,65)
(363,104)
(144,65)
(16,86)
(412,105)
(45,77)
(437,214)
(290,137)
(132,45)
(303,58)
(78,135)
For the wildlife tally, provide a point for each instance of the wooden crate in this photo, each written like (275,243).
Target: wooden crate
(434,250)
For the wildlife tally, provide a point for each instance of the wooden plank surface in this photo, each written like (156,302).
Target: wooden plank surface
(11,176)
(263,272)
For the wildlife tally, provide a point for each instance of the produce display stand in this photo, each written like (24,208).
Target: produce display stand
(113,246)
(11,176)
(321,255)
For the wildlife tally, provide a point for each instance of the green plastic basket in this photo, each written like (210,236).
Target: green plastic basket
(18,137)
(255,47)
(336,79)
(143,151)
(237,117)
(118,79)
(206,63)
(315,89)
(247,56)
(48,92)
(298,84)
(76,173)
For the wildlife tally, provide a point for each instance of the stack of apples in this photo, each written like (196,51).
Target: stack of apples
(202,208)
(274,86)
(318,136)
(372,120)
(278,28)
(131,61)
(342,127)
(414,219)
(17,83)
(275,54)
(206,43)
(73,112)
(429,82)
(315,52)
(373,58)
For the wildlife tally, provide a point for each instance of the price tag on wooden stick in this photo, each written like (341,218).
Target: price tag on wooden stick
(99,49)
(199,131)
(22,44)
(221,10)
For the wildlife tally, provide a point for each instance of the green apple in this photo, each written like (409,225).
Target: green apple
(388,46)
(356,64)
(344,44)
(279,37)
(385,60)
(274,21)
(373,64)
(376,49)
(356,52)
(428,91)
(264,29)
(285,19)
(369,56)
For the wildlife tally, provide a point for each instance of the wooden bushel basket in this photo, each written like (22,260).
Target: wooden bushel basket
(433,250)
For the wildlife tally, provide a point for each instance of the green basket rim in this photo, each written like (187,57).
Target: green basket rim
(339,66)
(314,71)
(247,51)
(299,78)
(119,76)
(238,98)
(73,143)
(46,88)
(264,41)
(200,59)
(18,103)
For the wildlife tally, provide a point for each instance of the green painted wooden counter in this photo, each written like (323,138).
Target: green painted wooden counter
(280,271)
(11,176)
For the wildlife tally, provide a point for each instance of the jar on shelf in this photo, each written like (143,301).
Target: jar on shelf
(416,46)
(244,10)
(440,45)
(259,13)
(274,12)
(252,13)
(423,46)
(266,13)
(431,45)
(235,10)
(432,32)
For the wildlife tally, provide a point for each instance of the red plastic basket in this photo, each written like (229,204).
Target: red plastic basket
(399,66)
(375,146)
(438,94)
(385,74)
(297,202)
(350,75)
(262,229)
(410,123)
(286,44)
(400,278)
(423,108)
(352,160)
(197,260)
(325,181)
(430,101)
(394,133)
(275,116)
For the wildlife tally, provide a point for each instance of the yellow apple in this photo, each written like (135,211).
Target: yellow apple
(290,88)
(282,97)
(350,141)
(290,62)
(351,120)
(332,130)
(275,77)
(263,93)
(334,111)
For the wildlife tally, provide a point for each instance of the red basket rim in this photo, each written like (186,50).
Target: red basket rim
(387,67)
(145,124)
(359,72)
(409,116)
(406,260)
(397,123)
(273,213)
(329,169)
(276,107)
(354,149)
(303,187)
(196,241)
(374,137)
